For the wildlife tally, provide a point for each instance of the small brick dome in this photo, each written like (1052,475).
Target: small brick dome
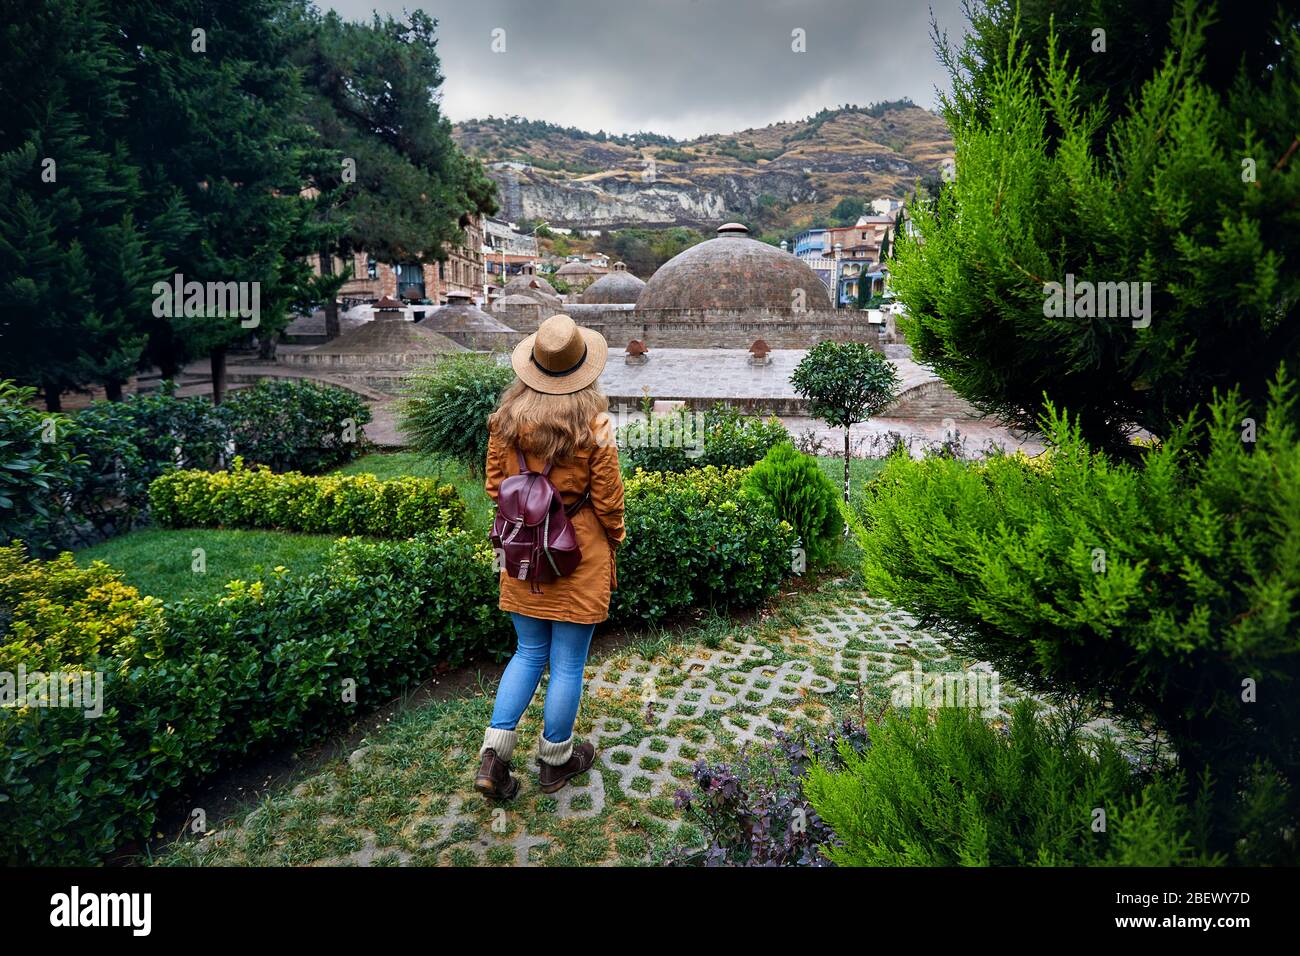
(619,287)
(466,324)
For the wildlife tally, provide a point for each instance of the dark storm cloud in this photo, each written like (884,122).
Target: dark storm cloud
(682,67)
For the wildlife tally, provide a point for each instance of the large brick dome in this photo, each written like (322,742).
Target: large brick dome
(733,271)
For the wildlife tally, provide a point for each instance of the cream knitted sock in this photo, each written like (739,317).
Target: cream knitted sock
(555,754)
(502,741)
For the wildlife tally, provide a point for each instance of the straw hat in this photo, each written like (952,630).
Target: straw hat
(561,357)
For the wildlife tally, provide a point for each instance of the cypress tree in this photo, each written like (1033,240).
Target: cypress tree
(1167,159)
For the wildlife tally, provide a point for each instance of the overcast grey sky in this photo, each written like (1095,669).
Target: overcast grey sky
(681,67)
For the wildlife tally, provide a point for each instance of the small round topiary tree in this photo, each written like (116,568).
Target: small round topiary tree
(846,383)
(803,496)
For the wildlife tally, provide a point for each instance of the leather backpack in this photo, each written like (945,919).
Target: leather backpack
(532,533)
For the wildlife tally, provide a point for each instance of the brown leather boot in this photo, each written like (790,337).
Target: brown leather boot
(554,777)
(493,779)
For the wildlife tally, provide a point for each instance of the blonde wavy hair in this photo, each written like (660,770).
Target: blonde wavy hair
(553,427)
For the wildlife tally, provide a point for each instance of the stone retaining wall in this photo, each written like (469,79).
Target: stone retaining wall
(931,401)
(711,328)
(704,328)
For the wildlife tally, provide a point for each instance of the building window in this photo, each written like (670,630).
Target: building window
(410,281)
(372,268)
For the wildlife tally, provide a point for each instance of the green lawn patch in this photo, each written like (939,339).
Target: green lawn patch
(861,471)
(160,562)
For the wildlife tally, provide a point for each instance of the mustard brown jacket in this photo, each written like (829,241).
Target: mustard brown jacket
(582,597)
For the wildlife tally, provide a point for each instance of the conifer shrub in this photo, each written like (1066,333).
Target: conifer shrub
(803,496)
(444,410)
(1168,589)
(949,789)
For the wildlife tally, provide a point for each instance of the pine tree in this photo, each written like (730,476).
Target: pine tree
(214,108)
(402,196)
(75,263)
(1172,164)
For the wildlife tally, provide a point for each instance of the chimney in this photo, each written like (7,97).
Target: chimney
(637,353)
(389,309)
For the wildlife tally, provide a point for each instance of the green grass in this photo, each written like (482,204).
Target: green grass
(160,562)
(388,465)
(861,471)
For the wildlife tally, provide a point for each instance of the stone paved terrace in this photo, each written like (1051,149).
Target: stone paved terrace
(405,797)
(706,375)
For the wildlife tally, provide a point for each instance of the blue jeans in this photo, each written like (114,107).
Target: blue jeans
(565,645)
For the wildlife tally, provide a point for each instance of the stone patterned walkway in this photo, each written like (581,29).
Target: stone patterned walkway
(406,799)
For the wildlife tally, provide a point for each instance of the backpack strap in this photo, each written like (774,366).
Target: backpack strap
(523,464)
(570,510)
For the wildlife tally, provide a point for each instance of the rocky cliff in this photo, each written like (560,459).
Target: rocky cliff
(783,175)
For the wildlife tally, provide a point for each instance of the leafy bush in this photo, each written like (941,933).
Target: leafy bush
(202,683)
(679,441)
(1170,589)
(698,539)
(444,410)
(56,613)
(74,479)
(313,504)
(950,790)
(299,425)
(35,474)
(754,811)
(125,445)
(803,496)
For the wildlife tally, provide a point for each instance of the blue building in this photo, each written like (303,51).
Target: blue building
(810,243)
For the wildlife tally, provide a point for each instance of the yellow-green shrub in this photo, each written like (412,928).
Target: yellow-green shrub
(59,615)
(313,504)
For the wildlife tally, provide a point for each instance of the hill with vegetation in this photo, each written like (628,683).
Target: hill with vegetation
(782,177)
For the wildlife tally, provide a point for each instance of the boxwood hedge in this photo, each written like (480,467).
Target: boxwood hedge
(324,504)
(200,684)
(699,538)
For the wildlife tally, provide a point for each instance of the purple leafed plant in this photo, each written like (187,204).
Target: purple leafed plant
(754,811)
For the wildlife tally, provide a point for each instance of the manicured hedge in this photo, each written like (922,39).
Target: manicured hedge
(199,684)
(327,504)
(699,538)
(192,686)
